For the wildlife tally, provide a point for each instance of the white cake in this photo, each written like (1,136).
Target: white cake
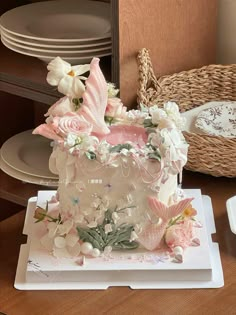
(117,172)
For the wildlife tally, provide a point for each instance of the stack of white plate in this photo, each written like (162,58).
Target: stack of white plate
(26,157)
(75,30)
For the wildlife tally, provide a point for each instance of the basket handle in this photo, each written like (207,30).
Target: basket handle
(147,77)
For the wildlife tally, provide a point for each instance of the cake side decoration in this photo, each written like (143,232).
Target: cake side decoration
(117,171)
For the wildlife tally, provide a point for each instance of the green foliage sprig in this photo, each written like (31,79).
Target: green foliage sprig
(119,147)
(41,214)
(118,238)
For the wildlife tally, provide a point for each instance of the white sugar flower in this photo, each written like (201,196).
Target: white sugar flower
(66,77)
(71,139)
(79,218)
(171,138)
(133,236)
(65,227)
(112,91)
(108,228)
(115,217)
(155,139)
(103,151)
(125,152)
(88,143)
(61,240)
(52,229)
(157,114)
(135,116)
(66,247)
(92,224)
(172,111)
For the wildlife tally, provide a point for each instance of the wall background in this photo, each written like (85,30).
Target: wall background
(226,41)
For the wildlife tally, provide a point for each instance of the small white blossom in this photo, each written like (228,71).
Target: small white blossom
(107,250)
(79,218)
(133,236)
(112,91)
(92,224)
(52,229)
(71,139)
(65,227)
(172,111)
(125,152)
(108,228)
(135,116)
(157,114)
(59,242)
(115,216)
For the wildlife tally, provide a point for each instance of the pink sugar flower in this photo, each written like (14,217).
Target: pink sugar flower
(61,107)
(180,234)
(115,108)
(72,123)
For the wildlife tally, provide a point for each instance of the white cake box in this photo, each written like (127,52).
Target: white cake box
(201,268)
(231,210)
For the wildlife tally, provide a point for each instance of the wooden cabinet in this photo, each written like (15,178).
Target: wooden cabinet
(180,34)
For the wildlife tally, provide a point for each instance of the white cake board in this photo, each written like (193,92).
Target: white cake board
(98,279)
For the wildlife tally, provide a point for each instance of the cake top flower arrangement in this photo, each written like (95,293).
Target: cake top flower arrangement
(91,120)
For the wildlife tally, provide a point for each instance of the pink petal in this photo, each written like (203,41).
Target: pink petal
(178,208)
(165,212)
(195,242)
(47,131)
(158,208)
(95,99)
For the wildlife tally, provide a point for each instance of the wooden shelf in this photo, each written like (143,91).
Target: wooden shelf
(16,191)
(25,76)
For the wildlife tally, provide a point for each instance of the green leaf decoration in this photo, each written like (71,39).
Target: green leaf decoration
(119,147)
(77,103)
(118,238)
(150,130)
(155,156)
(126,245)
(40,214)
(109,119)
(147,123)
(46,206)
(144,108)
(90,155)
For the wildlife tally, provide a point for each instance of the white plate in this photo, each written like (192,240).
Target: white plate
(27,178)
(218,120)
(64,21)
(100,279)
(48,57)
(28,154)
(55,45)
(71,52)
(231,210)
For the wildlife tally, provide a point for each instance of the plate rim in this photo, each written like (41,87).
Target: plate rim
(72,52)
(75,59)
(11,15)
(14,143)
(29,179)
(42,44)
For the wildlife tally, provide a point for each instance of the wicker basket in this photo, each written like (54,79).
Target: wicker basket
(207,154)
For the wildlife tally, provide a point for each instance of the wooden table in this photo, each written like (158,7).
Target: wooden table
(123,300)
